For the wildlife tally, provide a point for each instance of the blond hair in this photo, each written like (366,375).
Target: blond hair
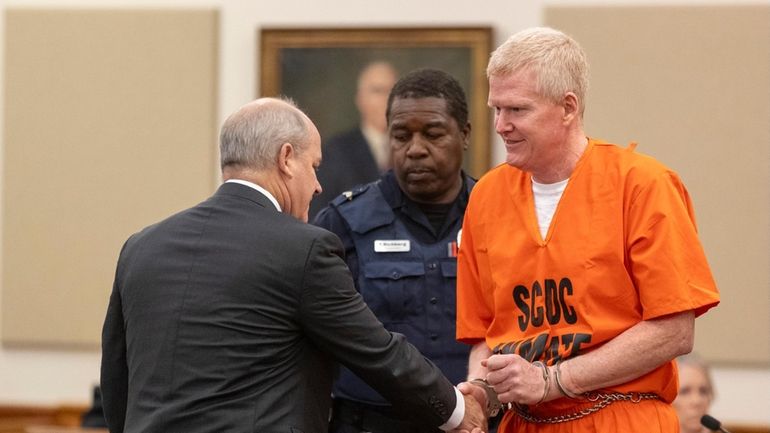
(557,60)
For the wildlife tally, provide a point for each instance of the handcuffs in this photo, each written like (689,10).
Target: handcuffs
(493,402)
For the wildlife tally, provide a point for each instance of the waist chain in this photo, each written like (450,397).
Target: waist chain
(601,401)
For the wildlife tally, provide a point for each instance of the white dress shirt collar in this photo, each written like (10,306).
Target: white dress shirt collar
(258,188)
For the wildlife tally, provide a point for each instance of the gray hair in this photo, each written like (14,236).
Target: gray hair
(252,136)
(694,360)
(557,60)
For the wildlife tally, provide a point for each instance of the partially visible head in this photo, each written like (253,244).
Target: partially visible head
(558,62)
(374,83)
(427,82)
(696,392)
(429,130)
(271,138)
(251,137)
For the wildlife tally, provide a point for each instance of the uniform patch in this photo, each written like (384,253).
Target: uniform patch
(451,249)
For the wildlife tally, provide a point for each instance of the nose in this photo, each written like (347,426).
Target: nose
(503,123)
(417,148)
(318,189)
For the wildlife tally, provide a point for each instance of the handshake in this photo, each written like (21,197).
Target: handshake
(508,379)
(481,403)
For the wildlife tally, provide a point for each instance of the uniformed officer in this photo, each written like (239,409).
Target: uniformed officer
(401,234)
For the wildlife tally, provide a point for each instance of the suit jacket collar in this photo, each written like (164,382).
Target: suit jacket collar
(246,192)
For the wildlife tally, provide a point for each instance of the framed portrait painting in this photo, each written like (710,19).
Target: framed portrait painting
(318,68)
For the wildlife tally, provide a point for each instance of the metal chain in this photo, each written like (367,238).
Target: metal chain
(602,401)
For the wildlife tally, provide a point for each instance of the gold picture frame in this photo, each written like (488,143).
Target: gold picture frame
(317,67)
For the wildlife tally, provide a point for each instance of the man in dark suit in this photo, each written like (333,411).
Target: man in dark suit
(227,317)
(361,154)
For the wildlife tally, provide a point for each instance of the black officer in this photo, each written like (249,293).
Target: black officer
(400,235)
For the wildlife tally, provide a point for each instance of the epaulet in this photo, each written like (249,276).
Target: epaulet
(351,194)
(364,208)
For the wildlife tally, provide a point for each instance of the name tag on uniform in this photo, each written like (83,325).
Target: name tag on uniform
(392,246)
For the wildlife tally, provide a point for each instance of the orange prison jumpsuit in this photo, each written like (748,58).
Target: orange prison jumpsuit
(622,247)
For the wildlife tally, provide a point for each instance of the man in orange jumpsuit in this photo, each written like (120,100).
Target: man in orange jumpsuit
(580,269)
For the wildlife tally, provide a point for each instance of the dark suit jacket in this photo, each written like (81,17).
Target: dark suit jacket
(347,162)
(227,317)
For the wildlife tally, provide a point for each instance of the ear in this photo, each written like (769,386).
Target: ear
(286,155)
(571,106)
(466,131)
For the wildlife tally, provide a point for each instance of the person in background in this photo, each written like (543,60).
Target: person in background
(360,155)
(94,416)
(696,392)
(580,271)
(400,238)
(228,316)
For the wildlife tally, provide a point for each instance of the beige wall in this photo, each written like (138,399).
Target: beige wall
(110,123)
(59,376)
(690,86)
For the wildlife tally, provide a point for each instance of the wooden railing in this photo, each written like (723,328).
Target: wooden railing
(66,419)
(30,419)
(743,428)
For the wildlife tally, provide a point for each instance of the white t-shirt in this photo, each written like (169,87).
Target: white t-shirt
(547,196)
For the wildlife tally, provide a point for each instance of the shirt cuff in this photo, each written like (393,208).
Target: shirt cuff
(457,415)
